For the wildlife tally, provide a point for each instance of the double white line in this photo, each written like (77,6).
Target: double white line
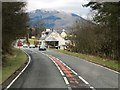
(65,78)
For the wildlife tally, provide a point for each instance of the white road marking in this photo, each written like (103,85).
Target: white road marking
(92,88)
(57,58)
(66,81)
(46,54)
(69,88)
(98,65)
(58,68)
(74,72)
(83,80)
(68,67)
(56,65)
(102,66)
(62,72)
(43,53)
(64,64)
(20,72)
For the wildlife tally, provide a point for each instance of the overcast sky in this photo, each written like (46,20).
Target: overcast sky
(72,6)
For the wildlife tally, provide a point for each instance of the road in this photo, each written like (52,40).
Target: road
(44,73)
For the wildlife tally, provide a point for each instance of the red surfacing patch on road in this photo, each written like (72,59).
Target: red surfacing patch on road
(72,78)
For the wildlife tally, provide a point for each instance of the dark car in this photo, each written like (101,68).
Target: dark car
(31,46)
(42,47)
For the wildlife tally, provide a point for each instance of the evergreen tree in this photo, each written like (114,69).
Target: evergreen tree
(14,22)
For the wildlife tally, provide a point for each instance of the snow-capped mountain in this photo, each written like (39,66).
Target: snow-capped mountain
(57,20)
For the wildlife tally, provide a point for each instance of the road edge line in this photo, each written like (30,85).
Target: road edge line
(117,72)
(29,60)
(109,69)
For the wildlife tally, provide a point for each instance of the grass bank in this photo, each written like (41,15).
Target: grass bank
(112,64)
(13,63)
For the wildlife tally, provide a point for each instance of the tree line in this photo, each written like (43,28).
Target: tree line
(102,37)
(14,23)
(36,30)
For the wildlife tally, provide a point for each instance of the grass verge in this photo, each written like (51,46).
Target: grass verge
(13,63)
(112,64)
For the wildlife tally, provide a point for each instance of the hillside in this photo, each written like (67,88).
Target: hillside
(57,20)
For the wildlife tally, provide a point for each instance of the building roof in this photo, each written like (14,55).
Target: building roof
(51,39)
(52,36)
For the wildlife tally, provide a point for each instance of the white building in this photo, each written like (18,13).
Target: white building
(53,39)
(63,34)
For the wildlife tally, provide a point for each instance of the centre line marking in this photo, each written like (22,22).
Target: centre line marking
(66,81)
(74,72)
(57,66)
(83,80)
(60,65)
(68,67)
(69,88)
(62,73)
(64,64)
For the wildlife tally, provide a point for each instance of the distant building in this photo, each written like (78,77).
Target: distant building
(54,39)
(64,34)
(43,34)
(48,30)
(33,37)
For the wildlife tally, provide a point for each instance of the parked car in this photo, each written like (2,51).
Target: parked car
(42,47)
(19,44)
(31,46)
(25,46)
